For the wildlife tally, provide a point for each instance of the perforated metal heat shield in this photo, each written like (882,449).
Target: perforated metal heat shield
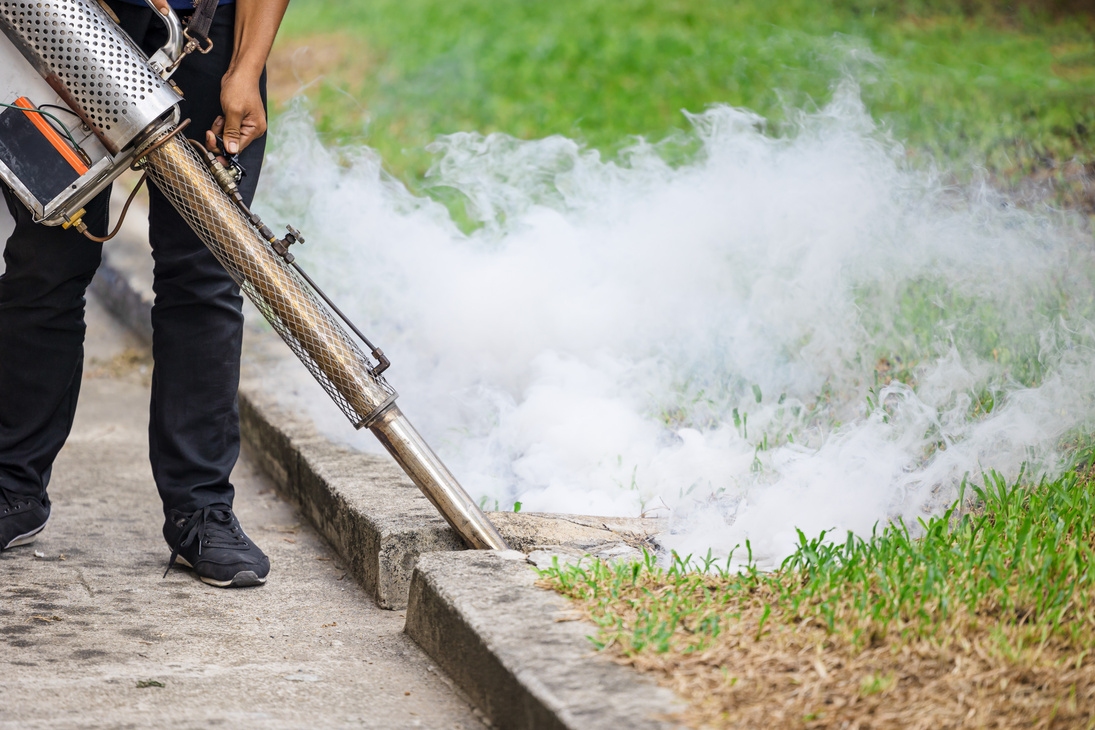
(91,64)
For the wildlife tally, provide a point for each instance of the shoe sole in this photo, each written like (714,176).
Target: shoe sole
(242,579)
(27,537)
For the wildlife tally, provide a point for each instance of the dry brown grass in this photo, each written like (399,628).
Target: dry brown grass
(801,675)
(1069,185)
(303,65)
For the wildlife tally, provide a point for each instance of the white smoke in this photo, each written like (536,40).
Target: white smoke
(712,342)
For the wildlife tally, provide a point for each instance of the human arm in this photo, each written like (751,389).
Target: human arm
(244,119)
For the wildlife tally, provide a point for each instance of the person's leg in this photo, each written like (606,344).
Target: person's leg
(196,318)
(197,324)
(47,270)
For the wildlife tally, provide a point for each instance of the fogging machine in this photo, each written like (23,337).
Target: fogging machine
(81,104)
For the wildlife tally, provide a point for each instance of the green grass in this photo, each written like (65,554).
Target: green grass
(1021,559)
(998,589)
(1014,91)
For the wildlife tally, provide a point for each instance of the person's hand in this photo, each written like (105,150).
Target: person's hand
(244,118)
(162,6)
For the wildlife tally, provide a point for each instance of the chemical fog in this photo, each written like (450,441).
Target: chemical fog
(800,329)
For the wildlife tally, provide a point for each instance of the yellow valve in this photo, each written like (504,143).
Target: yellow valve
(74,220)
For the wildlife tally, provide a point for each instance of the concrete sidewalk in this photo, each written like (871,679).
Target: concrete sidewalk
(89,629)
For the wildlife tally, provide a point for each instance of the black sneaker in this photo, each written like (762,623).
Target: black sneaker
(212,542)
(21,519)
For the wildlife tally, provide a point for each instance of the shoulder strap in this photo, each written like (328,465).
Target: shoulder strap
(198,27)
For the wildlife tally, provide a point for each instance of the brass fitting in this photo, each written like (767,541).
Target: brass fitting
(76,219)
(224,177)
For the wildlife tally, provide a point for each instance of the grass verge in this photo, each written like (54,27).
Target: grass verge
(982,617)
(1007,85)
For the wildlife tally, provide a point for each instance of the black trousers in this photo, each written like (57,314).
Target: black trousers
(196,319)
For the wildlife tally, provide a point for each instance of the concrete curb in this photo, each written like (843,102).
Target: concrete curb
(512,648)
(374,516)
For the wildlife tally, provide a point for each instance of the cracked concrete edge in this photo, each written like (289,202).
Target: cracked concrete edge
(374,517)
(517,652)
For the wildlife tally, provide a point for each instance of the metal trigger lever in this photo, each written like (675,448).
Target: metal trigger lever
(234,165)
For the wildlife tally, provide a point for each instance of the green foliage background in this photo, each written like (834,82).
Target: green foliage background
(1008,85)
